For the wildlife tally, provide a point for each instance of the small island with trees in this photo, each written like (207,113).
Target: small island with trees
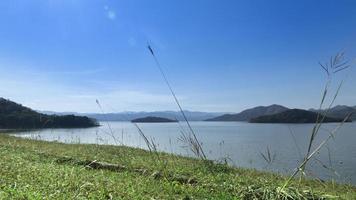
(151,119)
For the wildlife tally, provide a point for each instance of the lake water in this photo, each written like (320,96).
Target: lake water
(238,142)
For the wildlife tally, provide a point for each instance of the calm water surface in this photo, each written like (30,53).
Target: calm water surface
(238,142)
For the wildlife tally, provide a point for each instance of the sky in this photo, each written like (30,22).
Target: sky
(219,56)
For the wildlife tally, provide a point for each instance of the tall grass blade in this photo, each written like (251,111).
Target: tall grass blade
(108,124)
(335,65)
(194,141)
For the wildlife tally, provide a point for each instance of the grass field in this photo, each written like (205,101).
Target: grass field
(47,170)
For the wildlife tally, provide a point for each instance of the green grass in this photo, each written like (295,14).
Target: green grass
(48,170)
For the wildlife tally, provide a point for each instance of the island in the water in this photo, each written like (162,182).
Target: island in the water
(151,119)
(294,116)
(16,116)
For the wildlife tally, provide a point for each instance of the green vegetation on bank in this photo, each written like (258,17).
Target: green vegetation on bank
(48,170)
(16,116)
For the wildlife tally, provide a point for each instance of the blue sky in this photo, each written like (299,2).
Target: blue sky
(218,55)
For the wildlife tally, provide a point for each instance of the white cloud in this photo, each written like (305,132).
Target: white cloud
(122,100)
(110,14)
(43,92)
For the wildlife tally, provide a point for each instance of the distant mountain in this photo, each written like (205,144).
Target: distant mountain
(293,116)
(250,113)
(151,119)
(60,113)
(16,116)
(128,116)
(340,111)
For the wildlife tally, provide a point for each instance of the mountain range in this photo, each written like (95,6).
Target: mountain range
(128,116)
(340,111)
(337,112)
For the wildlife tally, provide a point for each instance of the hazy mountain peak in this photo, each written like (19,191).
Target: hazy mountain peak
(339,111)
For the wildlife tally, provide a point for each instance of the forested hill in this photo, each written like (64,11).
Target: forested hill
(16,116)
(294,116)
(248,114)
